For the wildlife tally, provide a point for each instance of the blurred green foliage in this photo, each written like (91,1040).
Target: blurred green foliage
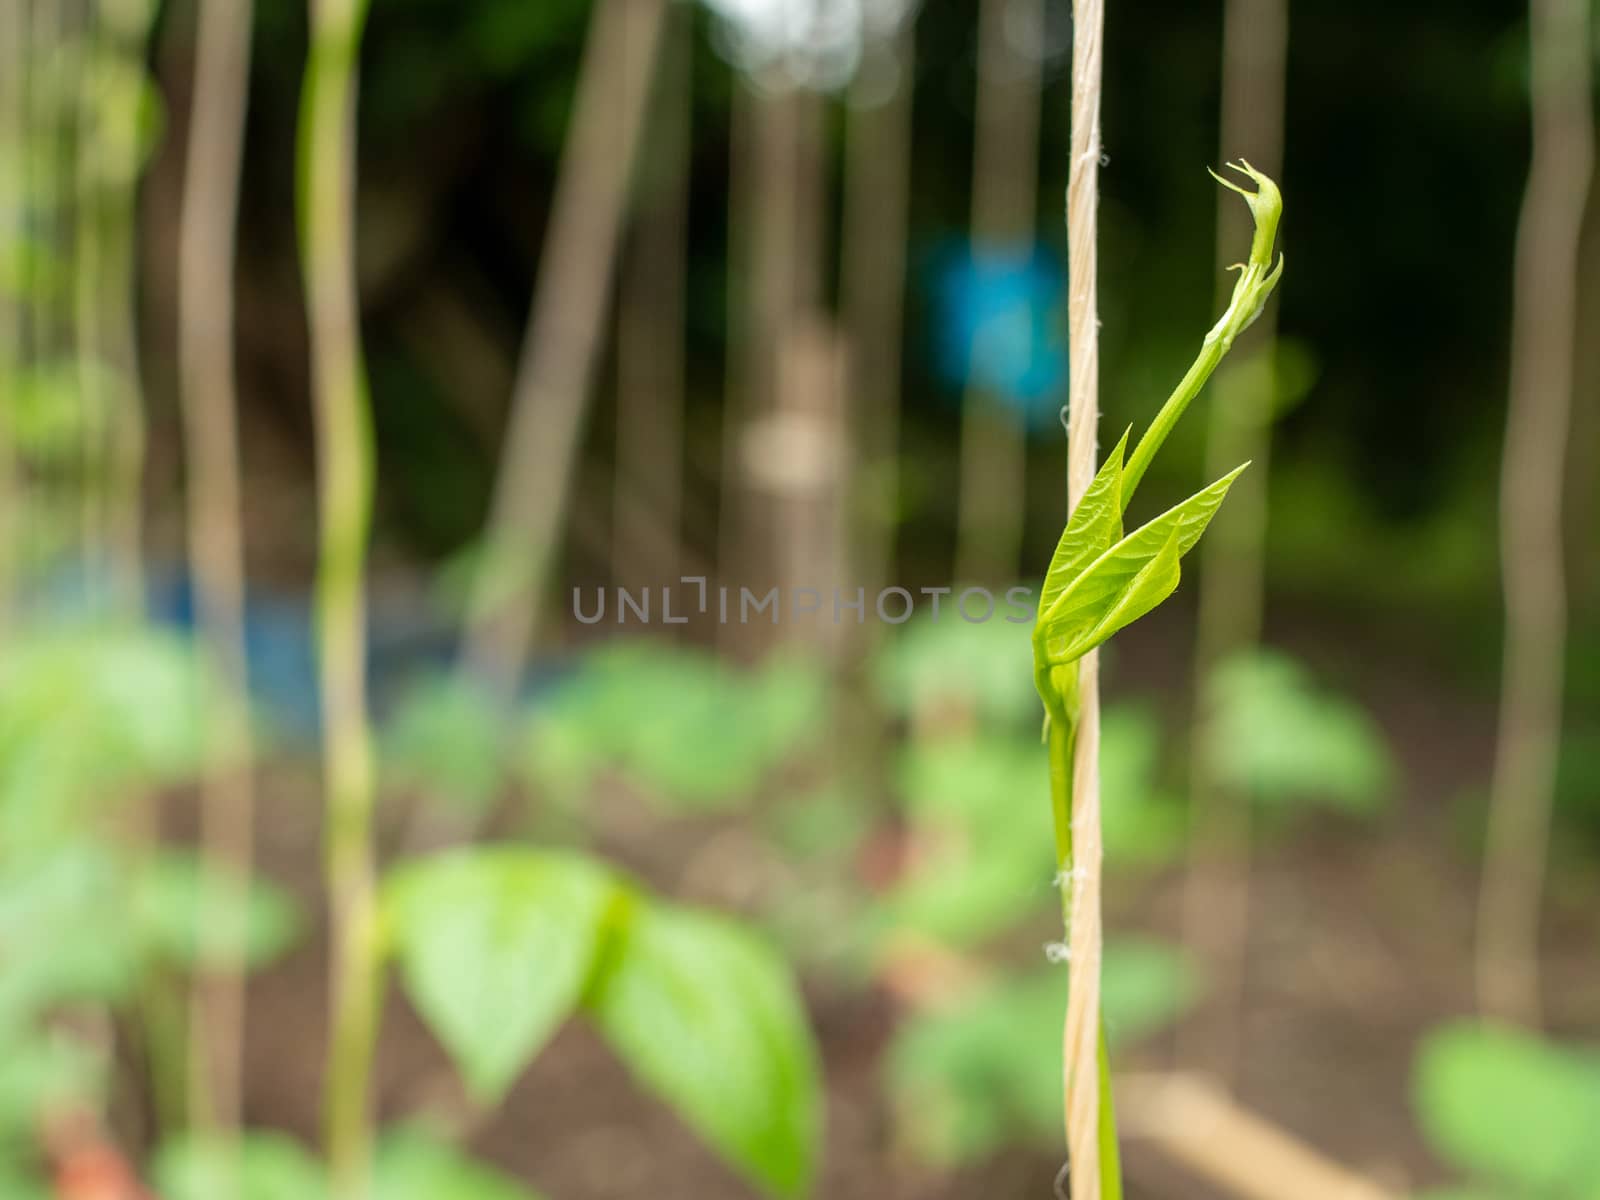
(982,669)
(92,721)
(411,1164)
(448,740)
(971,1078)
(692,732)
(1272,734)
(1515,1112)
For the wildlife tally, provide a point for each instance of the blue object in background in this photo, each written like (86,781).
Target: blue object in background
(1000,322)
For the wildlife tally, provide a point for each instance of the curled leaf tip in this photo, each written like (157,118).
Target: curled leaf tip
(1266,207)
(1259,274)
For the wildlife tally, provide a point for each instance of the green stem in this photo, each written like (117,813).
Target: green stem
(344,484)
(1211,353)
(1256,280)
(1061,737)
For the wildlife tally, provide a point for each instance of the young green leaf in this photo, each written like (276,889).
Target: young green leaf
(1128,580)
(494,949)
(709,1017)
(1093,528)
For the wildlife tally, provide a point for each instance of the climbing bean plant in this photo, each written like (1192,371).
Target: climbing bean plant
(1101,580)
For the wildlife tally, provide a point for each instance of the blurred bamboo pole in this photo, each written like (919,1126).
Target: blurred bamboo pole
(206,257)
(1543,335)
(125,519)
(343,415)
(91,359)
(1216,901)
(742,359)
(13,31)
(775,219)
(877,188)
(1092,1167)
(1582,501)
(556,368)
(1199,1126)
(109,158)
(798,454)
(47,338)
(647,506)
(992,489)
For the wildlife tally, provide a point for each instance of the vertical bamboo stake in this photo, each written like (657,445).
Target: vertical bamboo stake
(648,504)
(216,544)
(344,487)
(125,518)
(1005,172)
(12,133)
(1543,337)
(776,213)
(555,372)
(872,287)
(89,308)
(109,158)
(1084,1066)
(1217,889)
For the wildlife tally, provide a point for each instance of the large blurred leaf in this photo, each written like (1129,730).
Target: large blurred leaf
(709,1017)
(1272,734)
(1128,580)
(266,1166)
(986,1072)
(413,1165)
(448,739)
(690,730)
(1512,1108)
(177,906)
(494,949)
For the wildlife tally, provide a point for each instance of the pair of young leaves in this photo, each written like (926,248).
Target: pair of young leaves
(1100,581)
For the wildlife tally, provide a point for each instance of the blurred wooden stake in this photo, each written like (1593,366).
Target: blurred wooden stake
(647,503)
(1543,335)
(13,57)
(1005,182)
(1200,1128)
(877,188)
(342,410)
(1216,902)
(216,541)
(800,458)
(776,219)
(556,369)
